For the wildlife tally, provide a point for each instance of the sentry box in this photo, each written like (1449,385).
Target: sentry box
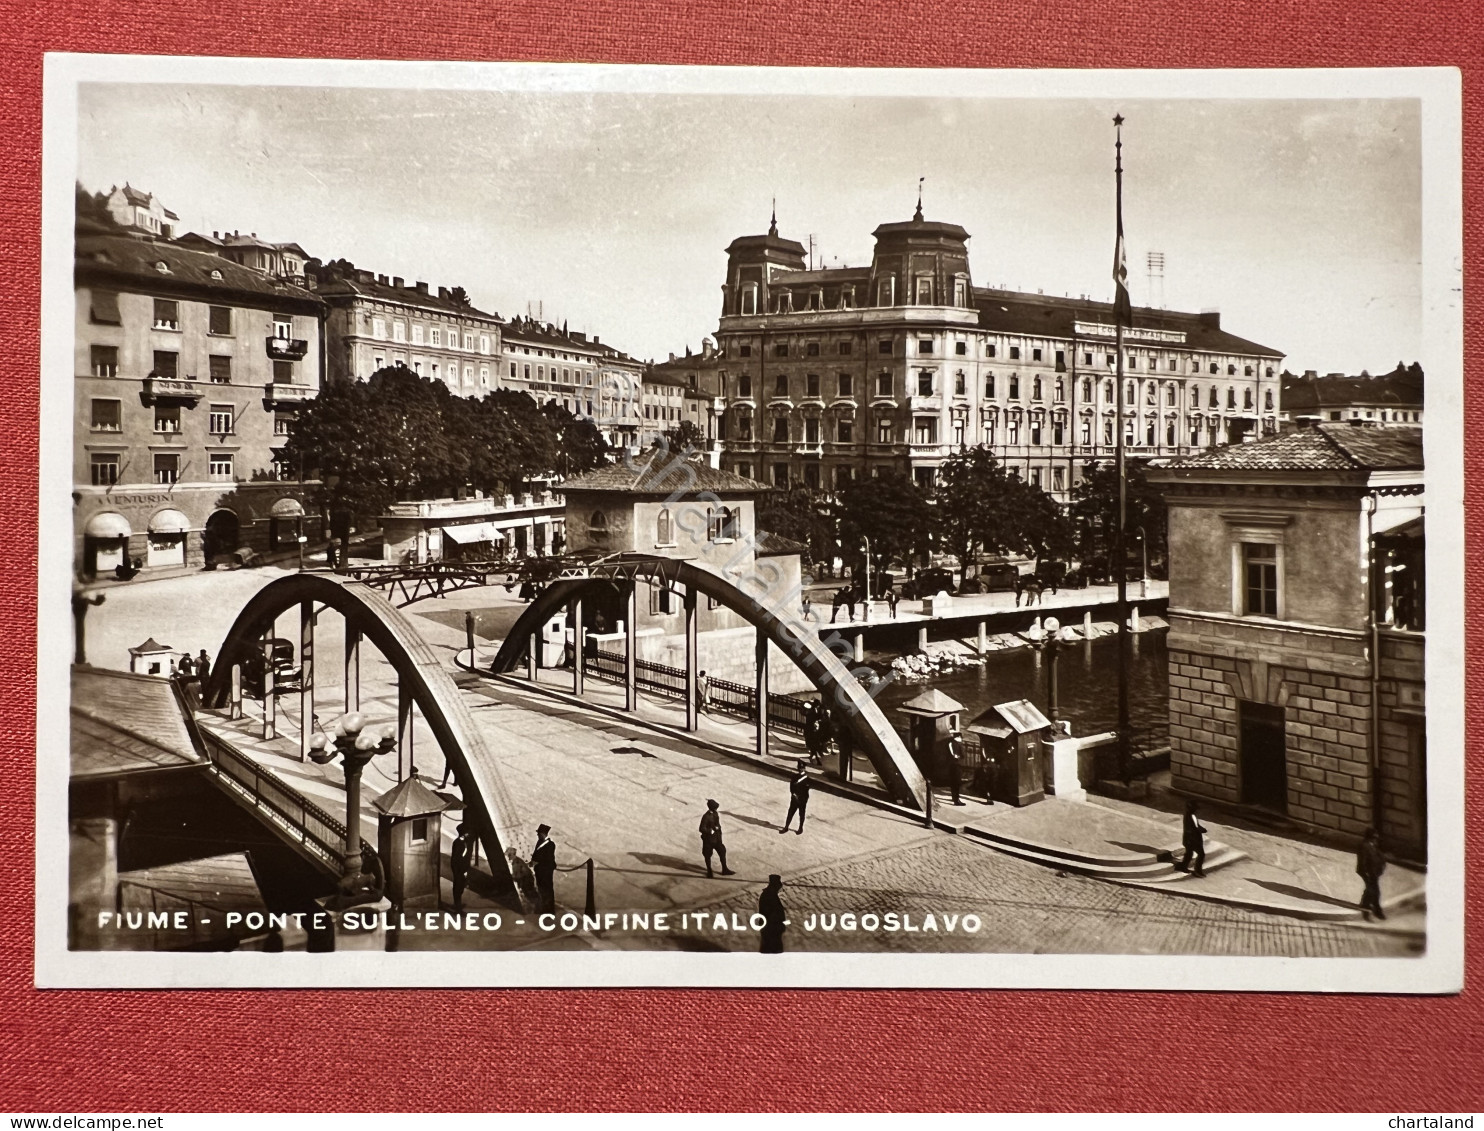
(410,841)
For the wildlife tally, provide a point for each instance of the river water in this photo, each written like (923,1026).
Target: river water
(1087,684)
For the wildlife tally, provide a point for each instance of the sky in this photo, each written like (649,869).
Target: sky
(1299,220)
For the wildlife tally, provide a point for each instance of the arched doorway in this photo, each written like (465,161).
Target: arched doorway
(221,536)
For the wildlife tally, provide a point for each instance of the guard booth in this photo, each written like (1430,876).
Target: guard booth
(152,658)
(930,718)
(409,839)
(1011,761)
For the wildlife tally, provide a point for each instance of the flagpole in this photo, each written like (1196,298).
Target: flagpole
(1121,311)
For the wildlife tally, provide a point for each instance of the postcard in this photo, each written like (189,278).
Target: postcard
(578,525)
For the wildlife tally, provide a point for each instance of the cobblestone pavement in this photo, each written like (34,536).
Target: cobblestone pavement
(1026,908)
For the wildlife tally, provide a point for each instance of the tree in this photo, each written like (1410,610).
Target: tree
(890,510)
(797,513)
(508,439)
(980,505)
(684,437)
(579,446)
(1094,512)
(459,297)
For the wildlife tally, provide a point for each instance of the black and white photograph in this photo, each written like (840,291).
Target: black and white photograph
(602,525)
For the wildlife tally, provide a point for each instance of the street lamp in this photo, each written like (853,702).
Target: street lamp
(356,746)
(1144,569)
(1048,640)
(866,609)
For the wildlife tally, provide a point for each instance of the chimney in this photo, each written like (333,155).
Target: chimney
(216,235)
(442,292)
(421,288)
(1210,318)
(397,281)
(672,355)
(381,279)
(1334,375)
(1310,374)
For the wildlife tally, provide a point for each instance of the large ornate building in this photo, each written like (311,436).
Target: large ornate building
(581,373)
(842,372)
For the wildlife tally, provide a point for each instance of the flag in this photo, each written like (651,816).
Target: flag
(1123,313)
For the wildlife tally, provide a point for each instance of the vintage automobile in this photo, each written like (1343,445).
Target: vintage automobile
(281,653)
(927,582)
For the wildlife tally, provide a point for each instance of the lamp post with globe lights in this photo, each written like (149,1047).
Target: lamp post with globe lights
(356,744)
(1048,640)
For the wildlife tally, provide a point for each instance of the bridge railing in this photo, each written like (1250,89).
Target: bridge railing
(298,818)
(785,712)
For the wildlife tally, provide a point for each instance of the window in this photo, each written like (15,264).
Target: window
(1036,432)
(925,383)
(1231,397)
(988,429)
(1174,365)
(844,348)
(283,372)
(378,363)
(811,350)
(847,386)
(925,345)
(960,292)
(811,385)
(924,291)
(1035,388)
(1014,387)
(660,602)
(105,360)
(219,320)
(1215,399)
(664,528)
(417,333)
(1036,354)
(780,385)
(811,430)
(1149,432)
(1169,394)
(220,369)
(1215,368)
(1259,579)
(107,415)
(219,420)
(597,527)
(1087,388)
(1231,370)
(780,475)
(167,364)
(435,338)
(883,384)
(959,425)
(1108,392)
(780,349)
(961,348)
(1061,361)
(378,328)
(886,292)
(104,308)
(484,375)
(1035,477)
(1247,398)
(883,430)
(167,314)
(749,299)
(958,383)
(484,343)
(745,471)
(1087,433)
(419,830)
(105,468)
(1151,394)
(843,431)
(167,418)
(1012,431)
(991,350)
(1058,431)
(744,427)
(988,386)
(1107,432)
(280,467)
(780,429)
(744,351)
(167,468)
(281,423)
(1087,359)
(884,346)
(219,467)
(924,477)
(1133,362)
(1014,353)
(469,342)
(1058,479)
(1170,433)
(744,385)
(1267,399)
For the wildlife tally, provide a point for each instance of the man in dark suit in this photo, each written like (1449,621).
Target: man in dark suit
(543,864)
(1369,864)
(458,864)
(1193,838)
(798,799)
(711,839)
(770,907)
(955,762)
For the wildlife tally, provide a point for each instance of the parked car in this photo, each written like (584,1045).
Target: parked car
(281,654)
(928,582)
(997,578)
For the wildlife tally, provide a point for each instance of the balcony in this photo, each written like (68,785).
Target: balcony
(170,389)
(286,349)
(279,395)
(928,403)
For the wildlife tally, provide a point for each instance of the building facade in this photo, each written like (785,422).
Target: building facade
(373,321)
(581,373)
(838,373)
(699,377)
(1391,399)
(187,370)
(285,261)
(1297,618)
(138,212)
(476,528)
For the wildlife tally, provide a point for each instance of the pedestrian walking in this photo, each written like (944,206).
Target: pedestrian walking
(203,666)
(770,907)
(703,693)
(1193,838)
(845,743)
(891,601)
(955,762)
(1369,864)
(459,859)
(808,608)
(711,839)
(798,798)
(543,864)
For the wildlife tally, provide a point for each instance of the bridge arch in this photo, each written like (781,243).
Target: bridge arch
(873,733)
(489,806)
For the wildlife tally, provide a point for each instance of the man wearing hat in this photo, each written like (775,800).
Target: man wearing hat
(798,798)
(770,907)
(543,863)
(459,858)
(711,839)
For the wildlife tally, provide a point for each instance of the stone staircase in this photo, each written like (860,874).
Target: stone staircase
(1143,867)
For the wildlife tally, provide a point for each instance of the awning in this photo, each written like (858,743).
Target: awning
(168,521)
(473,532)
(287,508)
(108,524)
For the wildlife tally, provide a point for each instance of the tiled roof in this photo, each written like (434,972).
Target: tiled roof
(656,473)
(130,263)
(340,285)
(769,544)
(122,722)
(1399,388)
(1014,312)
(1325,447)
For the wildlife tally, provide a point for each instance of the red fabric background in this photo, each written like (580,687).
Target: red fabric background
(253,1050)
